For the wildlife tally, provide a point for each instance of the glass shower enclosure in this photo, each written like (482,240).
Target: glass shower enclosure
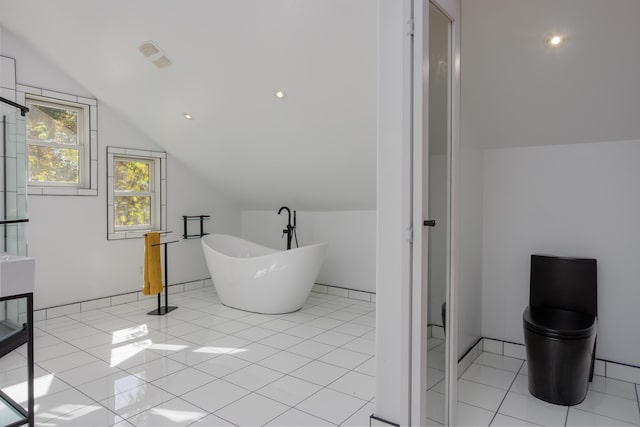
(16,303)
(13,182)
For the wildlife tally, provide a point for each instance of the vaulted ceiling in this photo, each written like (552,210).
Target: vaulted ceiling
(314,149)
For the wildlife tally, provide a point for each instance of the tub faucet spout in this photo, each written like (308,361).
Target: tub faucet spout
(289,230)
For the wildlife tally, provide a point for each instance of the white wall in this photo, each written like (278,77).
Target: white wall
(470,255)
(471,207)
(393,288)
(568,200)
(351,235)
(67,234)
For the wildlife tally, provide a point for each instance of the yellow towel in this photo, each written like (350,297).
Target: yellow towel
(152,269)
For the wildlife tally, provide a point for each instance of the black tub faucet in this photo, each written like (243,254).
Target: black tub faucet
(289,230)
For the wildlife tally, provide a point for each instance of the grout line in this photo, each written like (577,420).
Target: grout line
(479,407)
(347,371)
(281,350)
(72,387)
(505,397)
(97,359)
(487,385)
(502,369)
(600,414)
(518,418)
(275,332)
(326,306)
(435,385)
(637,386)
(256,391)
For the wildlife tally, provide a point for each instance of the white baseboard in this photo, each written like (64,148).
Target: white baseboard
(80,306)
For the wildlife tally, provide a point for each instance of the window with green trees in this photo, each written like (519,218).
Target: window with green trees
(136,186)
(57,137)
(134,193)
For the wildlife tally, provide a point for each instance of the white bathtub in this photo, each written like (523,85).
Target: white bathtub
(255,278)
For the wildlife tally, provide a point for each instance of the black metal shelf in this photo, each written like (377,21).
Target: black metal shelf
(187,218)
(12,336)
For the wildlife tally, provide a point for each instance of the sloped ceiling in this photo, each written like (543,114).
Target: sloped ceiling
(314,150)
(516,92)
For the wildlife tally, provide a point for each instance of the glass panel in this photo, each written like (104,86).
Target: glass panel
(51,164)
(438,181)
(130,175)
(57,125)
(13,191)
(132,210)
(11,313)
(21,166)
(8,415)
(13,238)
(13,337)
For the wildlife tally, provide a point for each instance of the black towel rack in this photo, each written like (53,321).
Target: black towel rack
(161,311)
(201,218)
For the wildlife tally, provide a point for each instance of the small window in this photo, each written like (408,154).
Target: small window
(58,141)
(134,194)
(136,186)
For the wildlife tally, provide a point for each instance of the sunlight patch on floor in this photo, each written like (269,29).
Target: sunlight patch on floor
(122,353)
(220,350)
(129,334)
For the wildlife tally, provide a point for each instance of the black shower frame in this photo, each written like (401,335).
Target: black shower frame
(23,111)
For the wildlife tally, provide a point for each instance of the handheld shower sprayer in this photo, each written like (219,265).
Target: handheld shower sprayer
(295,233)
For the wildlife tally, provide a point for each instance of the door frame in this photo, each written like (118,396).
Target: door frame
(419,183)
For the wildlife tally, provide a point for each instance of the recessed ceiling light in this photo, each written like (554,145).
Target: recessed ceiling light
(188,116)
(279,93)
(554,40)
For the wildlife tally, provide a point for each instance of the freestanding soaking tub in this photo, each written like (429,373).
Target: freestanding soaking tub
(256,278)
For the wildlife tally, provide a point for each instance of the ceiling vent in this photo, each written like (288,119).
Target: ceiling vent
(148,49)
(154,54)
(162,62)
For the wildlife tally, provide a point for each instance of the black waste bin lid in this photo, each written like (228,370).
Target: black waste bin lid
(557,323)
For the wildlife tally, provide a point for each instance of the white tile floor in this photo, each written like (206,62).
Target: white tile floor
(208,365)
(494,391)
(203,365)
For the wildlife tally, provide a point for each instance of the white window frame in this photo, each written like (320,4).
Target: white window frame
(152,192)
(157,191)
(89,172)
(82,136)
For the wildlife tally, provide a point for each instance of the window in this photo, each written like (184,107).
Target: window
(134,193)
(59,143)
(136,181)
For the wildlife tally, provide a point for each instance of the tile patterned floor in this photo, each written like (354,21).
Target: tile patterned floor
(208,365)
(494,391)
(202,365)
